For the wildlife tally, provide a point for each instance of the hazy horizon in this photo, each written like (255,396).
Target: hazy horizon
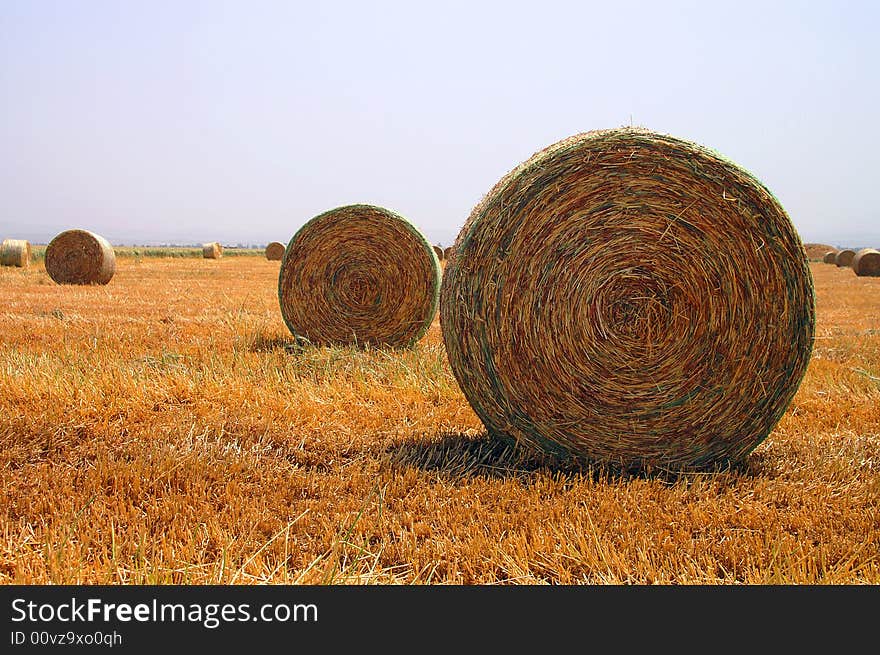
(186,122)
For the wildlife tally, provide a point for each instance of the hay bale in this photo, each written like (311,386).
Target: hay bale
(359,274)
(629,297)
(275,251)
(212,250)
(830,257)
(80,257)
(439,252)
(816,251)
(866,263)
(844,257)
(15,252)
(447,253)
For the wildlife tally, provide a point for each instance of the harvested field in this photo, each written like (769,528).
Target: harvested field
(166,428)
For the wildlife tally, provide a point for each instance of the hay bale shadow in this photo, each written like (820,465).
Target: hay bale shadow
(461,456)
(265,343)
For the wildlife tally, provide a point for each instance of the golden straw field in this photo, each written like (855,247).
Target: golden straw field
(165,428)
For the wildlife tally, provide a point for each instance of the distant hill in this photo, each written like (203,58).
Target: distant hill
(817,250)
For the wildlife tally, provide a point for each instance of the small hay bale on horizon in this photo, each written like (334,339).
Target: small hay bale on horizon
(356,275)
(866,263)
(212,250)
(447,252)
(439,252)
(80,257)
(15,252)
(844,257)
(605,303)
(275,251)
(816,251)
(830,257)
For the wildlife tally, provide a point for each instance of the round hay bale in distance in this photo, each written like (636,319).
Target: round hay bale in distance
(830,257)
(359,274)
(275,251)
(80,257)
(866,263)
(815,251)
(844,257)
(439,252)
(447,252)
(632,298)
(212,250)
(15,252)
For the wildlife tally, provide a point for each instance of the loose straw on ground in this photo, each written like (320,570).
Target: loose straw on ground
(359,274)
(80,257)
(275,251)
(866,263)
(629,297)
(212,250)
(15,252)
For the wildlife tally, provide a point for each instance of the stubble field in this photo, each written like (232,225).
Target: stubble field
(167,429)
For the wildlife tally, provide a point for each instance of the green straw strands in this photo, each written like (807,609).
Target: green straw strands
(438,251)
(629,297)
(830,257)
(866,263)
(80,257)
(212,250)
(275,251)
(844,258)
(15,252)
(359,274)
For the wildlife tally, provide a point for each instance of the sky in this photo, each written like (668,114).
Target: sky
(184,121)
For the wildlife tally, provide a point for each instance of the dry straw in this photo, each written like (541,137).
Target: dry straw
(80,257)
(866,263)
(275,251)
(844,257)
(212,250)
(629,297)
(830,257)
(438,251)
(15,252)
(447,253)
(359,274)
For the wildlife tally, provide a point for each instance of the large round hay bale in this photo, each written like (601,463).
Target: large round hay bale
(212,250)
(438,251)
(359,274)
(15,252)
(629,297)
(830,257)
(80,257)
(275,251)
(844,257)
(447,252)
(866,263)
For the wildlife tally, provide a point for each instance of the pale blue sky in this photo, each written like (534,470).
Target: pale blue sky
(158,121)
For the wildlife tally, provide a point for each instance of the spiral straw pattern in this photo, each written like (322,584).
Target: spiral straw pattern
(866,263)
(359,274)
(629,297)
(830,257)
(275,251)
(80,257)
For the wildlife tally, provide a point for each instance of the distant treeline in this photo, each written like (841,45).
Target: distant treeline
(38,253)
